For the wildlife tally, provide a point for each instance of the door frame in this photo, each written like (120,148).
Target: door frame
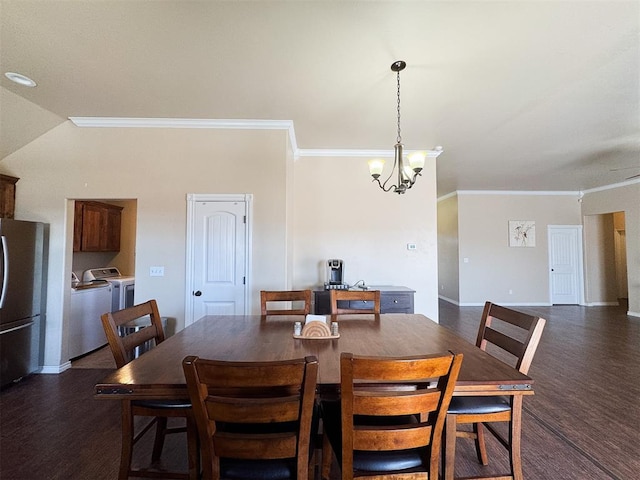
(579,257)
(192,199)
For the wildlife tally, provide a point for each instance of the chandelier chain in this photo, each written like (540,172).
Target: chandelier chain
(399,138)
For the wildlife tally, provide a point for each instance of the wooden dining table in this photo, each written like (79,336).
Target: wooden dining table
(158,373)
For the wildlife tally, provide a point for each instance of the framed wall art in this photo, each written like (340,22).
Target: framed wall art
(522,233)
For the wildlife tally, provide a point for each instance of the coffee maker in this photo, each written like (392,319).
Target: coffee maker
(335,275)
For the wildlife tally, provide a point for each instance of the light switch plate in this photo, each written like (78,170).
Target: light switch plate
(156,271)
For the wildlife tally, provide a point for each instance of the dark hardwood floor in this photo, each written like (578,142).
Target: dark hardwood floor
(583,422)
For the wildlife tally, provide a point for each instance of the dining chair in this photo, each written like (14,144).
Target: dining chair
(389,420)
(122,348)
(254,418)
(513,337)
(370,299)
(304,296)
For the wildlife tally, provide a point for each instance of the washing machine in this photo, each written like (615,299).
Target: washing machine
(123,286)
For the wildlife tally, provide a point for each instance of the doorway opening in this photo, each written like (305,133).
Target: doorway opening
(606,259)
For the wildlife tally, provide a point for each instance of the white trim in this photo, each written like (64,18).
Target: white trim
(192,198)
(602,304)
(448,300)
(519,192)
(123,122)
(55,369)
(448,195)
(508,304)
(345,152)
(612,186)
(239,124)
(633,314)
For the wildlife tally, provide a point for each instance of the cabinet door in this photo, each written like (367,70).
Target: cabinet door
(97,227)
(112,237)
(94,226)
(77,227)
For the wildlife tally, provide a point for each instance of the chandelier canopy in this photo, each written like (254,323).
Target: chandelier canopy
(408,169)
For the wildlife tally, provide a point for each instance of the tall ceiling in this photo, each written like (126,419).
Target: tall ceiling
(522,95)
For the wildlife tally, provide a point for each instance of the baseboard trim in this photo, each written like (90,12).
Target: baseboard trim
(448,300)
(633,314)
(55,369)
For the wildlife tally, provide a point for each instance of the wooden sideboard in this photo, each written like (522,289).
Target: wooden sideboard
(392,300)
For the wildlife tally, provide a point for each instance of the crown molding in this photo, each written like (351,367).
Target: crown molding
(321,152)
(612,186)
(241,124)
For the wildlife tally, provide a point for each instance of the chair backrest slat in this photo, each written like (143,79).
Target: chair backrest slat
(253,410)
(519,337)
(304,296)
(123,346)
(372,297)
(377,388)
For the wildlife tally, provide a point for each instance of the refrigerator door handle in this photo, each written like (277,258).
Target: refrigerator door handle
(5,270)
(16,328)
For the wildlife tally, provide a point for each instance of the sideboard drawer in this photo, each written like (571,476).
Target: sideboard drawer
(392,300)
(396,302)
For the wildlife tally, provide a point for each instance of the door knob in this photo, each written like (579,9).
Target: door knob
(197,293)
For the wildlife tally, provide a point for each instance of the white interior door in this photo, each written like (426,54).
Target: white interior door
(219,257)
(565,264)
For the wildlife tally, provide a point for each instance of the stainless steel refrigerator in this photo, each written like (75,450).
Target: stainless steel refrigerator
(22,259)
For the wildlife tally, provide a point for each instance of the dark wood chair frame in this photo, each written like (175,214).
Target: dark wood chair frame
(253,410)
(354,295)
(507,409)
(160,410)
(285,296)
(418,388)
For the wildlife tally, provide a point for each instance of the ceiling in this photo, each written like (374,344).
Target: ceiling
(521,95)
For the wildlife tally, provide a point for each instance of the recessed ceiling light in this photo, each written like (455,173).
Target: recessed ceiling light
(20,79)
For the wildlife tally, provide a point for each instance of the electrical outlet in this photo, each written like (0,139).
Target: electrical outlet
(510,292)
(411,246)
(156,271)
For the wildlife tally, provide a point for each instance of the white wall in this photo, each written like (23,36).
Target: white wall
(340,213)
(600,262)
(488,267)
(448,255)
(158,168)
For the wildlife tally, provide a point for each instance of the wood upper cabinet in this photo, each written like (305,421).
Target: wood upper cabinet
(7,196)
(96,227)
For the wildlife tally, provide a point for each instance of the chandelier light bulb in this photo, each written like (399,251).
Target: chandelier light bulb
(376,165)
(416,161)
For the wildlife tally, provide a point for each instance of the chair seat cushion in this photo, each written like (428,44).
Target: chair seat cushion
(370,461)
(392,461)
(478,405)
(236,469)
(160,404)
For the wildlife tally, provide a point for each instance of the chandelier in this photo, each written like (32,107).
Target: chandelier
(408,169)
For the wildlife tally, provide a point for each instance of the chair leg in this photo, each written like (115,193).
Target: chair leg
(193,448)
(481,449)
(327,457)
(158,443)
(126,451)
(449,449)
(515,430)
